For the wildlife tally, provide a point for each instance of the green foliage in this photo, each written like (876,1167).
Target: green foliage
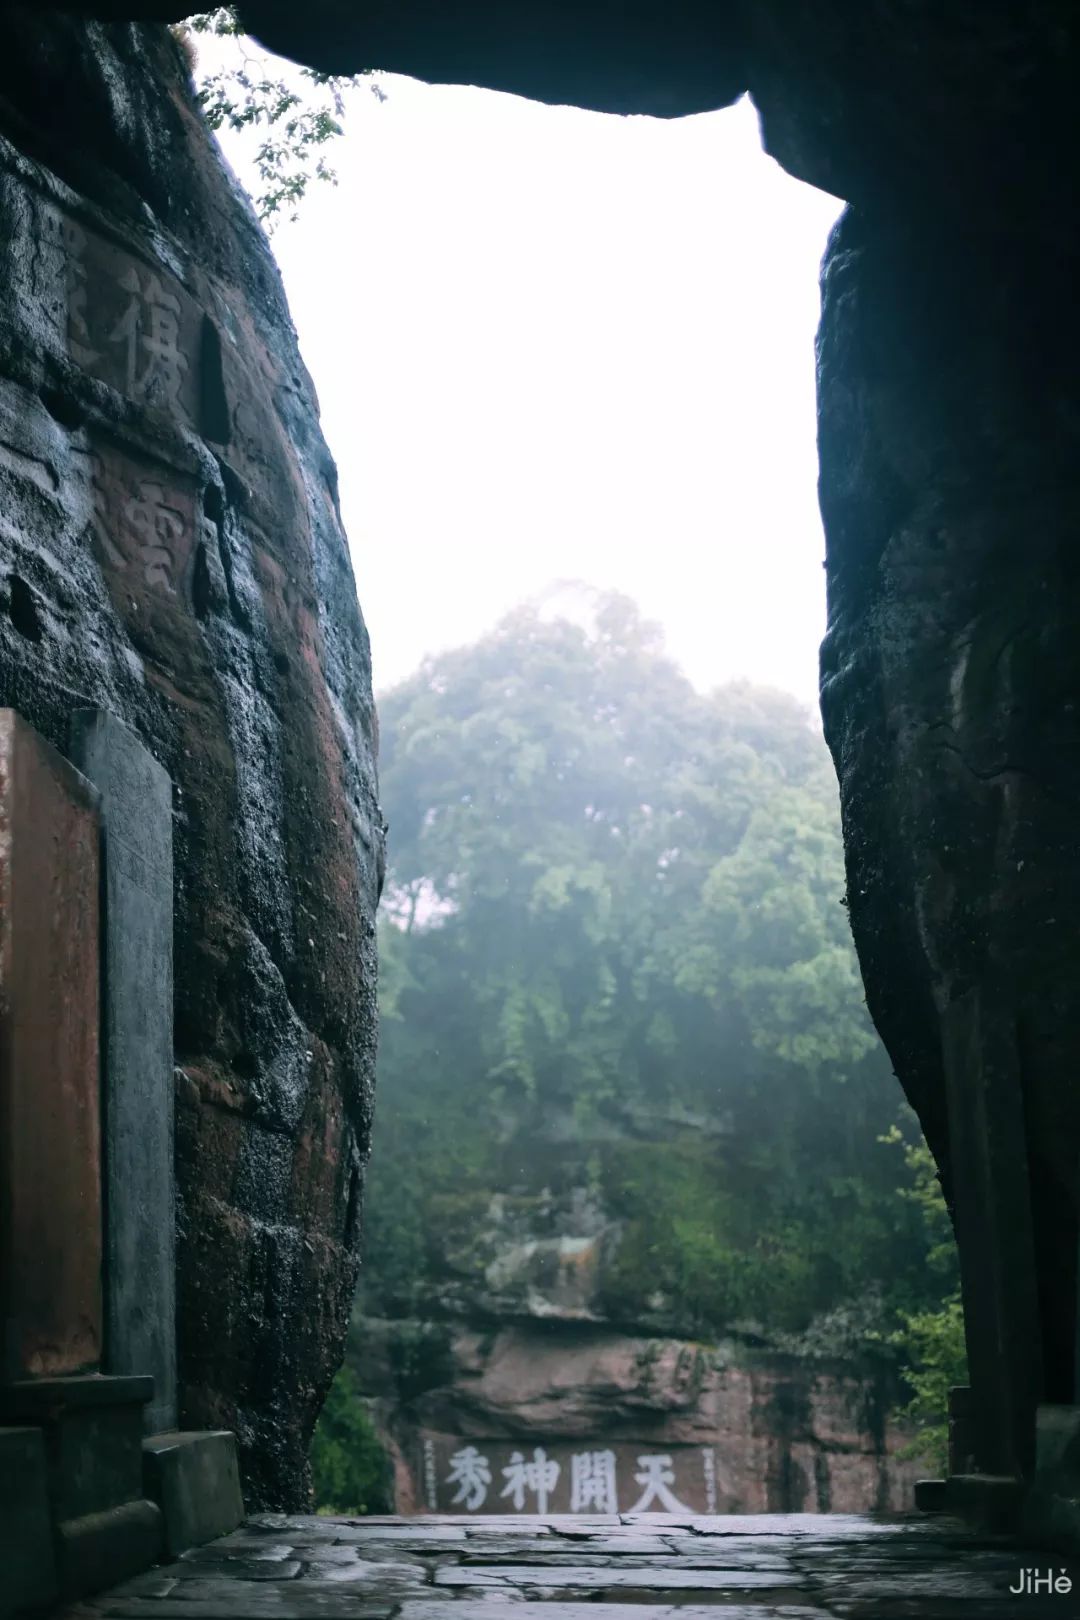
(923,1190)
(616,957)
(295,120)
(350,1470)
(931,1342)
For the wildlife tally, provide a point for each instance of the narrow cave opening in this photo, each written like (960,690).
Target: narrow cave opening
(648,1224)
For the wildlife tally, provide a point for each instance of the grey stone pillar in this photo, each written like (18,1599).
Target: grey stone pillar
(140,1266)
(992,1199)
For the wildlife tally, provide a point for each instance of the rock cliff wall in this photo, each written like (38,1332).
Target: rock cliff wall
(949,691)
(171,551)
(776,1432)
(525,1340)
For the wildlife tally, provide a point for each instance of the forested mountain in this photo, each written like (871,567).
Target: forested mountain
(628,1086)
(616,957)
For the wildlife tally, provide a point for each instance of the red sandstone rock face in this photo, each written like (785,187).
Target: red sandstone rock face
(785,1434)
(50,1151)
(172,552)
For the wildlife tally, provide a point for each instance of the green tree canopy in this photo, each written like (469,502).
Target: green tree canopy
(615,952)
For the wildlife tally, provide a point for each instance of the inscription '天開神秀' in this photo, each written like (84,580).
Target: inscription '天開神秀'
(497,1477)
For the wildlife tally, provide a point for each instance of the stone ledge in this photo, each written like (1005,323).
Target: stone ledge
(41,1396)
(932,1495)
(194,1478)
(1052,1507)
(27,1558)
(93,1428)
(992,1501)
(1052,1519)
(100,1549)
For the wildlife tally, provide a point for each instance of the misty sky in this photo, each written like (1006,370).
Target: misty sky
(550,344)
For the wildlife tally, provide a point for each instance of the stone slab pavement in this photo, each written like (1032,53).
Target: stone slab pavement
(615,1567)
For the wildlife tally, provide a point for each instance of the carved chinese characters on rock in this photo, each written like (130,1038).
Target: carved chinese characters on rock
(593,1483)
(129,324)
(144,527)
(479,1476)
(148,333)
(73,242)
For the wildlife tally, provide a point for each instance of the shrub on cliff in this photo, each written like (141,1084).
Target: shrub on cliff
(931,1341)
(350,1471)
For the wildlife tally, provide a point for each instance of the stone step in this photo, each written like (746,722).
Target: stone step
(27,1558)
(194,1478)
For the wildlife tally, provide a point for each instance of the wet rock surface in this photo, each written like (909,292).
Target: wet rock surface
(875,103)
(948,438)
(203,613)
(772,1567)
(750,1430)
(904,107)
(172,553)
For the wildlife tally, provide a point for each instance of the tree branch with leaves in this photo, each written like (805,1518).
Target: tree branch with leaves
(295,118)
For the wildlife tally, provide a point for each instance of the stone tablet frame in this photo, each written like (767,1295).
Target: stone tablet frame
(137,1056)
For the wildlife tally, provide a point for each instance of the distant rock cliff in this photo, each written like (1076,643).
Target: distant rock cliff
(523,1349)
